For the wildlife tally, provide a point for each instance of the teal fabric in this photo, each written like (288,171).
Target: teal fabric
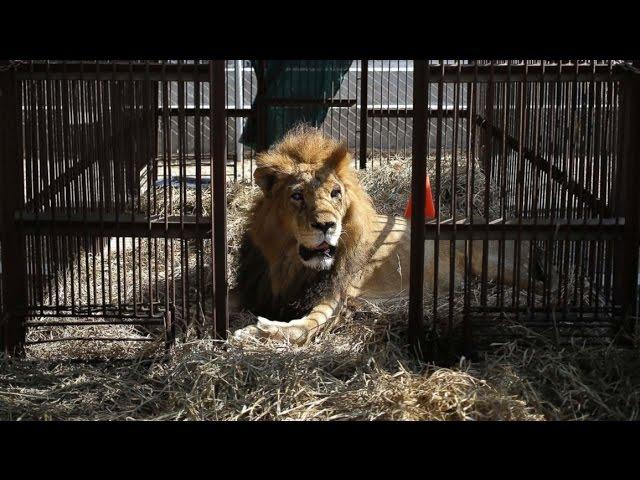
(306,79)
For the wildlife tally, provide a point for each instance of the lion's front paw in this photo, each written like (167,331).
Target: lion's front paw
(248,332)
(272,330)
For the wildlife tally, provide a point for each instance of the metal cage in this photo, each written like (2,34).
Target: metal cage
(114,180)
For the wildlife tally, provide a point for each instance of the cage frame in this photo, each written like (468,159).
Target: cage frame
(624,230)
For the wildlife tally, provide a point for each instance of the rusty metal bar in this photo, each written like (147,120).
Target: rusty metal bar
(470,149)
(418,190)
(14,294)
(408,112)
(219,197)
(261,107)
(90,339)
(486,157)
(436,243)
(364,111)
(121,71)
(83,323)
(626,250)
(191,111)
(112,312)
(556,230)
(293,102)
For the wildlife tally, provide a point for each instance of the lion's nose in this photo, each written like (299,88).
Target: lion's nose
(324,226)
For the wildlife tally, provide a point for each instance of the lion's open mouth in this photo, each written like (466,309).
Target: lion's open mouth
(322,250)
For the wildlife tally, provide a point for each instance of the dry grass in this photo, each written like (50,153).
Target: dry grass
(362,370)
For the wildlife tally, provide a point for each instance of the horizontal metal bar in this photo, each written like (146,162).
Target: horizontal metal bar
(558,312)
(139,226)
(111,225)
(92,311)
(114,71)
(203,111)
(432,112)
(93,323)
(436,73)
(297,102)
(545,229)
(378,112)
(528,73)
(90,339)
(569,322)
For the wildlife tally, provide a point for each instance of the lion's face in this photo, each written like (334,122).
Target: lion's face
(311,205)
(306,186)
(315,207)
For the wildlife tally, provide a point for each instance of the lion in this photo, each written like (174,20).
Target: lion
(314,239)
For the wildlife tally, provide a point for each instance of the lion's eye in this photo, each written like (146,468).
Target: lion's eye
(336,192)
(297,196)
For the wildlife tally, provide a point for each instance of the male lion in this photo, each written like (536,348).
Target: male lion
(314,239)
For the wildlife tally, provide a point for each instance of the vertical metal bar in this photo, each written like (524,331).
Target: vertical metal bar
(470,154)
(487,154)
(182,185)
(436,243)
(166,177)
(219,207)
(364,112)
(39,203)
(198,159)
(454,178)
(406,96)
(14,294)
(522,114)
(239,104)
(388,106)
(261,107)
(103,179)
(608,159)
(505,121)
(418,190)
(118,154)
(150,105)
(537,134)
(381,103)
(626,262)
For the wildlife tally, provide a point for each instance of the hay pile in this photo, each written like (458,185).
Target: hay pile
(362,370)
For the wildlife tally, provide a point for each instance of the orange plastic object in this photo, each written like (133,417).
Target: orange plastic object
(429,208)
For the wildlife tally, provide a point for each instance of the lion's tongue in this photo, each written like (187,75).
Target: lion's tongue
(322,246)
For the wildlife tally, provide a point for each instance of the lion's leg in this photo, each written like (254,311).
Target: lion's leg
(298,331)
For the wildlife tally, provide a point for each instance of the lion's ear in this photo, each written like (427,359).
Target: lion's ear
(340,158)
(265,177)
(270,167)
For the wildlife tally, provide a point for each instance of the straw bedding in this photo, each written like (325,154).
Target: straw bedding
(362,370)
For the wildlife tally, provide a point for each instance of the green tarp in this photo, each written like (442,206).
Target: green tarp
(293,79)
